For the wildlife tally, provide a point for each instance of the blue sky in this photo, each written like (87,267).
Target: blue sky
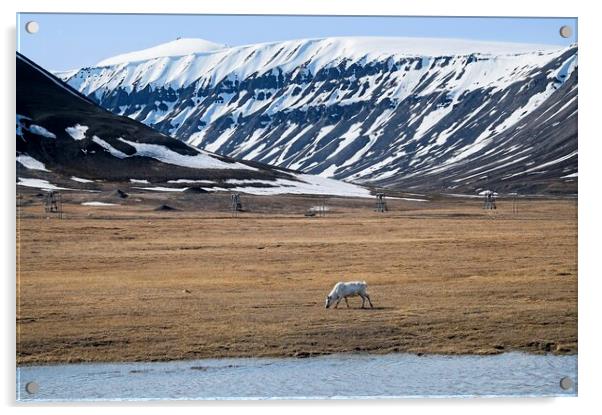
(67,41)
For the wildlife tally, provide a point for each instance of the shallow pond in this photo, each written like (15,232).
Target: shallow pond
(333,376)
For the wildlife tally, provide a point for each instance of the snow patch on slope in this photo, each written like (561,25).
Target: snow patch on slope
(198,161)
(39,130)
(33,128)
(112,150)
(80,180)
(31,163)
(77,132)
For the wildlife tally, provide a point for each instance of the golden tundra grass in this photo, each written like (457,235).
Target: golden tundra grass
(126,283)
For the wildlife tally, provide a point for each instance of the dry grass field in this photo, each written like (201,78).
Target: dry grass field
(127,283)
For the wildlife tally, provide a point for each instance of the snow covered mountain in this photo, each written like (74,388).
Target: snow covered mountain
(429,114)
(63,137)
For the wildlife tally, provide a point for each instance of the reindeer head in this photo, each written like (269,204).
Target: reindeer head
(328,302)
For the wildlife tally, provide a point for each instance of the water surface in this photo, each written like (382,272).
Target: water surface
(333,376)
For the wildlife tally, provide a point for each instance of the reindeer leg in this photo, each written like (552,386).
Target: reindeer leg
(367,296)
(337,304)
(346,302)
(363,300)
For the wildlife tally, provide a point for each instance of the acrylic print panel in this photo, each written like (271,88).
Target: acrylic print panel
(241,207)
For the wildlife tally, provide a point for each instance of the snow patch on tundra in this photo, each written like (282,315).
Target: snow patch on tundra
(98,204)
(307,184)
(162,189)
(191,181)
(39,184)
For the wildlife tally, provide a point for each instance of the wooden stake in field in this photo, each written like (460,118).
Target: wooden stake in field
(489,203)
(19,206)
(53,204)
(235,204)
(514,204)
(381,205)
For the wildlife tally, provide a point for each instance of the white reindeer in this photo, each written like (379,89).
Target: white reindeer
(342,290)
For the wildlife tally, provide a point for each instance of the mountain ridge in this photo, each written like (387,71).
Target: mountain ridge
(174,48)
(410,46)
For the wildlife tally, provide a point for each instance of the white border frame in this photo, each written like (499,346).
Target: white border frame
(589,223)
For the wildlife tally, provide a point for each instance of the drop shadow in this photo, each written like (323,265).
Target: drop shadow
(10,219)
